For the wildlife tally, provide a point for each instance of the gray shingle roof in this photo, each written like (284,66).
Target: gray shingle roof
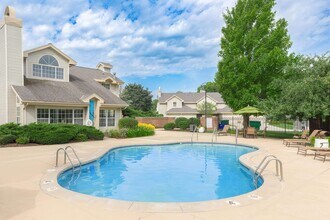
(184,109)
(191,97)
(82,84)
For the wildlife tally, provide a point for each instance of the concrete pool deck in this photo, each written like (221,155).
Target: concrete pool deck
(304,193)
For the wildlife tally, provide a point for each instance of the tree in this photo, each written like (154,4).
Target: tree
(304,91)
(254,52)
(209,87)
(137,97)
(210,108)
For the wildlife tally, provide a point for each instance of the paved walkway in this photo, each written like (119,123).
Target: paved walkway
(305,191)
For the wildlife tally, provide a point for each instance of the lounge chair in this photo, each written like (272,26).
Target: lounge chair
(288,142)
(224,131)
(322,134)
(251,131)
(322,155)
(303,135)
(303,150)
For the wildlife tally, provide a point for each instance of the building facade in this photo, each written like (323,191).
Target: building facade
(45,85)
(184,104)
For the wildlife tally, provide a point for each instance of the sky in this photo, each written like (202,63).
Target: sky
(172,44)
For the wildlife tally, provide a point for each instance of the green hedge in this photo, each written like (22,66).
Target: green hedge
(127,123)
(140,132)
(182,123)
(47,133)
(169,126)
(194,121)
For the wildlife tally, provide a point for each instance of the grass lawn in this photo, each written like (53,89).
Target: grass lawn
(281,124)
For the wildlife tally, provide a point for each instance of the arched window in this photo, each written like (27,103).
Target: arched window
(47,68)
(48,60)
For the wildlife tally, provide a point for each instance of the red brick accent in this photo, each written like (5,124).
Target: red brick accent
(158,122)
(215,121)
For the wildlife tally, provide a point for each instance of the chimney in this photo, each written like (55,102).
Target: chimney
(159,94)
(104,67)
(11,63)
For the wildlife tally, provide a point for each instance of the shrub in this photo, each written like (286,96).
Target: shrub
(194,121)
(81,137)
(123,133)
(169,126)
(179,120)
(7,139)
(23,140)
(91,132)
(10,128)
(114,133)
(149,126)
(127,123)
(139,132)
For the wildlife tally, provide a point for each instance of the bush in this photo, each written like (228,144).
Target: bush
(179,120)
(91,132)
(146,125)
(81,137)
(10,128)
(194,121)
(169,126)
(140,132)
(127,123)
(123,133)
(114,133)
(23,140)
(7,139)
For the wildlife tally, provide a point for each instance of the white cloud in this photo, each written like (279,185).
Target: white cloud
(141,38)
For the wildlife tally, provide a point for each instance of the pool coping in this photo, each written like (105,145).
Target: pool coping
(270,187)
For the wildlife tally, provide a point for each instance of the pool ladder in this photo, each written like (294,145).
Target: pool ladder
(192,135)
(215,134)
(66,155)
(262,166)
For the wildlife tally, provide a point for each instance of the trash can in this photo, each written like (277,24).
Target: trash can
(192,127)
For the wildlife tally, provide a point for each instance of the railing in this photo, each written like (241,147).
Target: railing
(66,155)
(192,135)
(279,168)
(215,134)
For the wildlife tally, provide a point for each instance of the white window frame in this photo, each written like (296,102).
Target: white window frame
(108,118)
(174,104)
(44,70)
(18,114)
(74,118)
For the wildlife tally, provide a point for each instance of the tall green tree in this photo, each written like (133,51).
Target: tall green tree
(209,87)
(304,90)
(138,97)
(210,108)
(254,51)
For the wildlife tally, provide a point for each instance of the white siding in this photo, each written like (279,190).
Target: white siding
(33,58)
(170,103)
(11,70)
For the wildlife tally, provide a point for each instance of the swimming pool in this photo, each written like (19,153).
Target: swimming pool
(165,173)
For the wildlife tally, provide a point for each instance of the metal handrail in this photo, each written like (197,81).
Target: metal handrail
(278,165)
(263,160)
(215,134)
(69,147)
(192,136)
(65,155)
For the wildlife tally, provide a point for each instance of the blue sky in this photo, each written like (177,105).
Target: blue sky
(172,44)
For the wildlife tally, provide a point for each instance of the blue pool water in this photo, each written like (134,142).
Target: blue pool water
(165,173)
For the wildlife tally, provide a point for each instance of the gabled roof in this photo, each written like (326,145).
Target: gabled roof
(184,109)
(80,86)
(51,46)
(106,65)
(191,97)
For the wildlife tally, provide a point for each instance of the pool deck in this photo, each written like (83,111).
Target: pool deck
(304,193)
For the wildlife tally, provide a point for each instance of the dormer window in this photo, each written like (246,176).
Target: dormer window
(106,85)
(47,68)
(174,104)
